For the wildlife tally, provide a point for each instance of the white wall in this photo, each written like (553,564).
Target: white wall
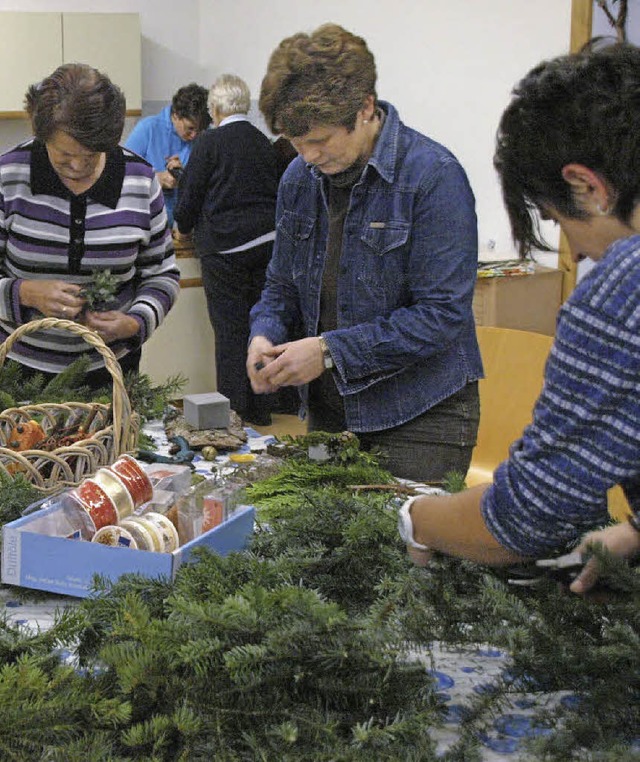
(448,67)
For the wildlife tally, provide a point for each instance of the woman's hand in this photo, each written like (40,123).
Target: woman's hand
(112,325)
(53,298)
(259,355)
(294,363)
(620,539)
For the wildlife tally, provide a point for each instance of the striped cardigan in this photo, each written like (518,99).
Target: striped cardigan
(47,232)
(585,433)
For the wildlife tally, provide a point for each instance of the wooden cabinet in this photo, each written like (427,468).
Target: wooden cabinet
(526,302)
(110,42)
(31,48)
(34,44)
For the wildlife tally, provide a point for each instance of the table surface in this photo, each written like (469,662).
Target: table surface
(460,673)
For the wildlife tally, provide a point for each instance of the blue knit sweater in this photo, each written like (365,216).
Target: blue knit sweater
(585,433)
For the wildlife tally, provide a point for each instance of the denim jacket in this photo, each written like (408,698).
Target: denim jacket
(406,336)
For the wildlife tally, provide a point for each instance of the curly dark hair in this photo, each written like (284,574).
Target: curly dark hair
(81,101)
(322,78)
(191,102)
(582,108)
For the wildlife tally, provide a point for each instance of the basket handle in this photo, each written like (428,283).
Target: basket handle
(121,405)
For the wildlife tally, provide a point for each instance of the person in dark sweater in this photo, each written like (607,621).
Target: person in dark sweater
(228,201)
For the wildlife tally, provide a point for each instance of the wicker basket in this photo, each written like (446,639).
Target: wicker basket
(113,431)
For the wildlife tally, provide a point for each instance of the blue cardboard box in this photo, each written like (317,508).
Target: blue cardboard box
(31,558)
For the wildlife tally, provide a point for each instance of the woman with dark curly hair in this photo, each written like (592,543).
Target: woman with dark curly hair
(568,149)
(74,203)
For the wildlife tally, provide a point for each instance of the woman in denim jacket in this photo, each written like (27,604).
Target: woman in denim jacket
(367,304)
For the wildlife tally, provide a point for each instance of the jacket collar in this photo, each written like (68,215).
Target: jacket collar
(106,190)
(385,153)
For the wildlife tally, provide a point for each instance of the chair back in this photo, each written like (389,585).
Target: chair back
(514,372)
(514,363)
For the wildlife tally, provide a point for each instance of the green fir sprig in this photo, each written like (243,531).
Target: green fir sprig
(100,293)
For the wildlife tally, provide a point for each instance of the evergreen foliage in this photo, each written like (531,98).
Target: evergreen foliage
(16,494)
(99,294)
(149,400)
(68,386)
(315,644)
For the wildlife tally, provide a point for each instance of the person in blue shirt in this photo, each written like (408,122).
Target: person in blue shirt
(375,257)
(568,149)
(165,139)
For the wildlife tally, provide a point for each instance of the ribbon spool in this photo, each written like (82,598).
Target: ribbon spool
(115,537)
(97,503)
(113,485)
(135,479)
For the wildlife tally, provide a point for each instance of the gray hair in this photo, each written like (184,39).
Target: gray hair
(229,95)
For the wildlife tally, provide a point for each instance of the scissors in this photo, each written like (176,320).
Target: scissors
(561,569)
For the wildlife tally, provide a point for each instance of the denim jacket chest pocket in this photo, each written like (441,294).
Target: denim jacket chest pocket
(297,242)
(383,270)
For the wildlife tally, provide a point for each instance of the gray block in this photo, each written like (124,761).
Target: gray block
(207,411)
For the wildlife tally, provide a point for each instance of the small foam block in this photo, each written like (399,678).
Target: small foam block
(207,411)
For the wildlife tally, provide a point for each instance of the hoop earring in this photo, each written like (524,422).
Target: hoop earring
(365,121)
(602,212)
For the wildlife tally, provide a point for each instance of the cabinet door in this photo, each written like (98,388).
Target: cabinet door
(31,49)
(110,42)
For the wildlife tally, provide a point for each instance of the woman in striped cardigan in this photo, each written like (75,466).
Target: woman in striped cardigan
(73,202)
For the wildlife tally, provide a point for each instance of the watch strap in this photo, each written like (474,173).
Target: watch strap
(405,524)
(326,354)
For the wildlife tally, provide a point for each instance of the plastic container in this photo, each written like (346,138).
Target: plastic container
(62,515)
(169,476)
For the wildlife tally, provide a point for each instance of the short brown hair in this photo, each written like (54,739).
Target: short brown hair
(81,101)
(322,78)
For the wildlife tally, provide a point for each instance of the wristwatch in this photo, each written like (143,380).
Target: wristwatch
(326,355)
(405,525)
(634,520)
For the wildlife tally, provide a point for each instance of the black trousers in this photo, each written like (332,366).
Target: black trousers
(426,448)
(232,285)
